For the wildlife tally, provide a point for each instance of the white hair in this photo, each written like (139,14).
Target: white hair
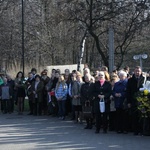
(87,70)
(101,73)
(92,78)
(87,75)
(122,73)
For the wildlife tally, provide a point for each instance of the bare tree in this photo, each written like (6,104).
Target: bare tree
(54,30)
(128,19)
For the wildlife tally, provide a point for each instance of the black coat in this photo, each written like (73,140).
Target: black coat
(85,92)
(133,87)
(28,88)
(105,90)
(39,91)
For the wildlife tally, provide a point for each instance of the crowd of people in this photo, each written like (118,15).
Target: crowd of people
(110,97)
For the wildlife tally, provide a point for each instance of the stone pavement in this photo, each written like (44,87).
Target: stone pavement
(23,132)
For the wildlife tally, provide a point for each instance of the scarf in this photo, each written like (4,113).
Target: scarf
(102,82)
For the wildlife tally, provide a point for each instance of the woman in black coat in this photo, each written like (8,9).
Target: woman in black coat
(101,90)
(37,90)
(85,94)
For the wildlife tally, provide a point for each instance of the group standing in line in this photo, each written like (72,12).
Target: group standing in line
(65,94)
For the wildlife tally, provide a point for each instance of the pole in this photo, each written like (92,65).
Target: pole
(111,49)
(22,36)
(141,62)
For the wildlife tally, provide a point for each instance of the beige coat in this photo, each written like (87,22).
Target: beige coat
(75,90)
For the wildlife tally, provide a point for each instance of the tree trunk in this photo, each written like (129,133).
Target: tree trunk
(104,58)
(82,46)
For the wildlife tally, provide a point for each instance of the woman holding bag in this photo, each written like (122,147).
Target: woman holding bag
(101,92)
(86,100)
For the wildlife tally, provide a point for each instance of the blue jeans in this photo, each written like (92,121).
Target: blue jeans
(62,108)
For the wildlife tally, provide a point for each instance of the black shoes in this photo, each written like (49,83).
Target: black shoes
(88,127)
(97,131)
(119,131)
(104,131)
(135,133)
(30,113)
(72,118)
(63,118)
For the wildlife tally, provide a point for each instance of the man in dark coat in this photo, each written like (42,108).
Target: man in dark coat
(28,83)
(37,90)
(133,86)
(45,80)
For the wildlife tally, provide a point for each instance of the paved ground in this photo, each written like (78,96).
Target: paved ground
(49,133)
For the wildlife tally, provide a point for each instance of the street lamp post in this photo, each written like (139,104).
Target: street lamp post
(22,4)
(111,49)
(140,57)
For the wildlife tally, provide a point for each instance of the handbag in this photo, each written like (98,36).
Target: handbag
(102,105)
(87,110)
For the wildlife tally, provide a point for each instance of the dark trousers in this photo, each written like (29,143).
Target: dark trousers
(89,122)
(31,106)
(119,119)
(68,105)
(44,104)
(11,104)
(31,103)
(126,121)
(37,107)
(62,108)
(112,121)
(101,120)
(6,105)
(136,121)
(72,112)
(53,107)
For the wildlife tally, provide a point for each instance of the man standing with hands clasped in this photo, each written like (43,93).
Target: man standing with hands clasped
(133,86)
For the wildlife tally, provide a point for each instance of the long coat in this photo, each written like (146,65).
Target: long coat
(75,90)
(105,90)
(85,92)
(120,87)
(39,91)
(133,87)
